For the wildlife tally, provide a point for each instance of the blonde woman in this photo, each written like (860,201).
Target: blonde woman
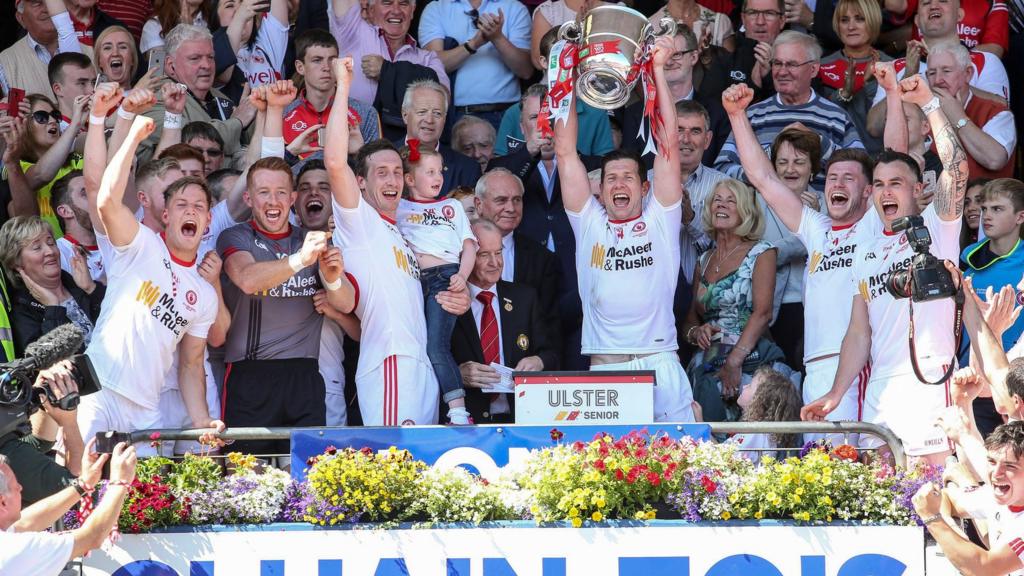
(116,56)
(734,283)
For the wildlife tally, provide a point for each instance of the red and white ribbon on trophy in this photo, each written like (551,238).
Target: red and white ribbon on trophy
(652,120)
(561,68)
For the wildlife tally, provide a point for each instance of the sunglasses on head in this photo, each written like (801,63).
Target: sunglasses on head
(43,117)
(474,15)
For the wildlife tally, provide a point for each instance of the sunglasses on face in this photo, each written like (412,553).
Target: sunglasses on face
(44,117)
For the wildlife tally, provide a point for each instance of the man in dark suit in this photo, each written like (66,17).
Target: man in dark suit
(504,325)
(423,110)
(543,217)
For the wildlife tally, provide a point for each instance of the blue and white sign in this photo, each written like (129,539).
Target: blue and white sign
(665,548)
(484,449)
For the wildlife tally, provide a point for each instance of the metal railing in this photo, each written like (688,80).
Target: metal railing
(838,428)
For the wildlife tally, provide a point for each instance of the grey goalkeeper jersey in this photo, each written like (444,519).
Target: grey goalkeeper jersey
(278,323)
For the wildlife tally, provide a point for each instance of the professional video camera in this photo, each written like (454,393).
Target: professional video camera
(926,278)
(20,397)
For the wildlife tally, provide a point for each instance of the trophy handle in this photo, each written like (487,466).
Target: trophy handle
(666,27)
(570,31)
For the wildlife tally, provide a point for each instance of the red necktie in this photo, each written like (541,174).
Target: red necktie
(488,329)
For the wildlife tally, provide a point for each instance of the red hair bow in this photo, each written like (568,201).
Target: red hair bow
(414,150)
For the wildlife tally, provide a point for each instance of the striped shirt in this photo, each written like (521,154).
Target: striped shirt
(132,13)
(771,116)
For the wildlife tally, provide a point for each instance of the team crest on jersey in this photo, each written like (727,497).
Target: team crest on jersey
(448,212)
(640,229)
(299,126)
(191,297)
(1020,298)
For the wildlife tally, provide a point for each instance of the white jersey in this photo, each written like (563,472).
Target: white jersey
(152,301)
(220,220)
(627,277)
(830,251)
(67,246)
(435,227)
(263,60)
(332,355)
(1005,523)
(889,317)
(755,446)
(389,297)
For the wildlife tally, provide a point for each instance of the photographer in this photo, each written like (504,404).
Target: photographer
(880,322)
(26,549)
(26,449)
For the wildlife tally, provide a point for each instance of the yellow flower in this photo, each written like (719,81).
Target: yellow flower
(600,503)
(758,515)
(726,515)
(576,522)
(651,514)
(640,515)
(596,516)
(734,497)
(573,512)
(800,491)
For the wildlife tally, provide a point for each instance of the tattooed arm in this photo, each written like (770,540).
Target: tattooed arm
(952,184)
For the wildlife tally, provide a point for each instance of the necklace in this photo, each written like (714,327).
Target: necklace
(720,259)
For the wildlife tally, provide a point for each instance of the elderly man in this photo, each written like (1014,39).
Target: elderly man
(984,125)
(379,42)
(49,32)
(938,21)
(794,64)
(629,240)
(424,109)
(190,62)
(474,137)
(762,20)
(505,325)
(491,52)
(679,73)
(395,382)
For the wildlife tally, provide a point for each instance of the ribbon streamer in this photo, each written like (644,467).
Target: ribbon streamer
(652,120)
(561,67)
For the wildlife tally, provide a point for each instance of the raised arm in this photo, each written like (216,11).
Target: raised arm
(952,184)
(106,97)
(572,174)
(173,96)
(896,136)
(343,181)
(45,170)
(668,185)
(23,199)
(119,222)
(341,7)
(756,164)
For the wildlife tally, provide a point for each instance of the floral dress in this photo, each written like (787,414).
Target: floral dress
(729,301)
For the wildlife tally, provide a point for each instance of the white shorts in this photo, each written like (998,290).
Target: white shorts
(175,415)
(910,409)
(402,391)
(820,376)
(107,410)
(673,396)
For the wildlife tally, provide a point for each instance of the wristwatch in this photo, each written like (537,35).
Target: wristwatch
(79,487)
(961,123)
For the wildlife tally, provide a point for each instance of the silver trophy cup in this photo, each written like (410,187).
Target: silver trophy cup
(601,79)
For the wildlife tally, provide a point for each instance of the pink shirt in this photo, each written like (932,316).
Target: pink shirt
(357,38)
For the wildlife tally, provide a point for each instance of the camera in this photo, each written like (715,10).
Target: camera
(926,278)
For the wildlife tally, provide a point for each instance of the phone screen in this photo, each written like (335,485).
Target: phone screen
(107,441)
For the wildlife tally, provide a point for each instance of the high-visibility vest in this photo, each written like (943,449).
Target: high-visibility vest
(6,334)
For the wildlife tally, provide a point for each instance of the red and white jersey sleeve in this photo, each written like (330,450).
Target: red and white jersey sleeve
(889,317)
(262,63)
(435,227)
(94,260)
(389,298)
(1006,526)
(152,301)
(627,272)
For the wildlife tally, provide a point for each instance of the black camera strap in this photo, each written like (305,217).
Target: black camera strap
(958,325)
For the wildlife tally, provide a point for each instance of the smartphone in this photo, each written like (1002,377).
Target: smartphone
(100,79)
(106,441)
(14,98)
(321,137)
(156,60)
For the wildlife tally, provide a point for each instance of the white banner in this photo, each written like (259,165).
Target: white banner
(521,549)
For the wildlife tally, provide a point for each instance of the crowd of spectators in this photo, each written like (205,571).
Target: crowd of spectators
(176,185)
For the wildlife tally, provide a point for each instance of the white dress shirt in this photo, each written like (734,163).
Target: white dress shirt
(508,254)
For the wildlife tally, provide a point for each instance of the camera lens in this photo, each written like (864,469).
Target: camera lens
(898,284)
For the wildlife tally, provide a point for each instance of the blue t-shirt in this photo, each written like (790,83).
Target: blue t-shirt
(987,272)
(594,139)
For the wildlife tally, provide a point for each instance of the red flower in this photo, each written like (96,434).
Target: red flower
(556,434)
(599,464)
(846,452)
(708,484)
(641,452)
(619,475)
(653,478)
(331,450)
(154,436)
(366,450)
(603,450)
(633,475)
(578,446)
